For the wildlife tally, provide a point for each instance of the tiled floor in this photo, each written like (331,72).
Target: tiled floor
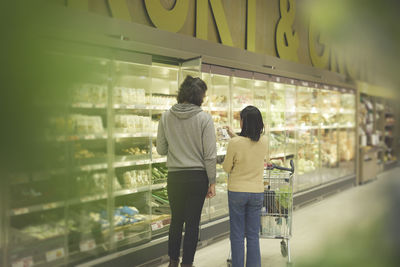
(316,225)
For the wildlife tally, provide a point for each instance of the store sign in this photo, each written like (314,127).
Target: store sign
(192,18)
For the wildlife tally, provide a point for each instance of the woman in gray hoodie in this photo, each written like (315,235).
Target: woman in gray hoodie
(186,135)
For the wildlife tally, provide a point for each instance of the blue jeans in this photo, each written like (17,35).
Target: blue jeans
(244,218)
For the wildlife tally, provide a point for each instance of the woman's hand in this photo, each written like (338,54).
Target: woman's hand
(211,191)
(230,131)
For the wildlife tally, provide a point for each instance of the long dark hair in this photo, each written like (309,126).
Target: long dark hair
(253,125)
(192,90)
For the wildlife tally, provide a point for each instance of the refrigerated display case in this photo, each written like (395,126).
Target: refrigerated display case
(103,185)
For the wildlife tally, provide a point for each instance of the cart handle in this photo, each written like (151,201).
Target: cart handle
(291,170)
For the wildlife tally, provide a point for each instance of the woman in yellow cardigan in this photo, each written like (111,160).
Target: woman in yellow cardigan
(244,162)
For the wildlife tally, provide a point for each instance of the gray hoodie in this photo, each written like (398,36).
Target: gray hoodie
(186,135)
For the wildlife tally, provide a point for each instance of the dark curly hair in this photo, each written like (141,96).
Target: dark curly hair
(253,125)
(192,90)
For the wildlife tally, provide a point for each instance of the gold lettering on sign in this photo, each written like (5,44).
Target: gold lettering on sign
(119,9)
(286,39)
(202,19)
(169,20)
(222,24)
(251,25)
(337,61)
(318,59)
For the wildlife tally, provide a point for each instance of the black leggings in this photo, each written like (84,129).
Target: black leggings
(186,193)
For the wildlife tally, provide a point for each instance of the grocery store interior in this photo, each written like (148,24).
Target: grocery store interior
(85,83)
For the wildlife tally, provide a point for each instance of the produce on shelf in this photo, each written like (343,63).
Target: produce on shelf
(240,101)
(47,230)
(217,100)
(276,143)
(277,119)
(123,215)
(159,173)
(134,151)
(304,166)
(277,100)
(329,99)
(133,124)
(89,93)
(260,103)
(88,183)
(162,100)
(305,100)
(87,124)
(76,124)
(346,145)
(82,153)
(160,202)
(328,119)
(135,178)
(347,101)
(329,154)
(129,96)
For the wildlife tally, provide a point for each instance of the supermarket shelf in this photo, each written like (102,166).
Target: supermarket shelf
(141,107)
(90,198)
(329,110)
(79,137)
(134,135)
(347,111)
(159,160)
(307,127)
(88,105)
(92,167)
(281,129)
(307,110)
(127,163)
(329,127)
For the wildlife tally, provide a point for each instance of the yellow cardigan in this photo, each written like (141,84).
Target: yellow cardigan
(244,162)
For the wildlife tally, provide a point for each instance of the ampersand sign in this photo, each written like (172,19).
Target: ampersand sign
(286,39)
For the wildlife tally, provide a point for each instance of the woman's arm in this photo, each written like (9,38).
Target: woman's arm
(229,158)
(210,150)
(161,142)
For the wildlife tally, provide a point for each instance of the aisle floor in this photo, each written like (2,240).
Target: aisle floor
(315,225)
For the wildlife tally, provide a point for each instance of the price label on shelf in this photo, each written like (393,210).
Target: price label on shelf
(157,225)
(20,211)
(87,245)
(25,262)
(55,254)
(118,236)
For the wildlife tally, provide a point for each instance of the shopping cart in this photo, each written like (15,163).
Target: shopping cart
(277,210)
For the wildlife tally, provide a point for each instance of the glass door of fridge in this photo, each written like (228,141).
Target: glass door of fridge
(242,95)
(347,133)
(282,120)
(219,84)
(164,90)
(329,102)
(307,138)
(49,200)
(130,211)
(277,124)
